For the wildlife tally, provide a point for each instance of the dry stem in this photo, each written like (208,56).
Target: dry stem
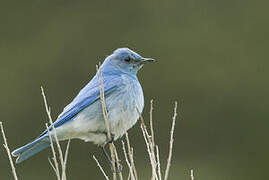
(100,167)
(171,143)
(158,163)
(56,165)
(131,155)
(8,152)
(151,123)
(128,162)
(150,148)
(61,157)
(192,174)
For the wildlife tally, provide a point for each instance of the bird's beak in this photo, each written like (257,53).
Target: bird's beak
(146,60)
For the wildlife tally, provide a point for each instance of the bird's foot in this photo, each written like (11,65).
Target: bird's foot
(111,140)
(116,167)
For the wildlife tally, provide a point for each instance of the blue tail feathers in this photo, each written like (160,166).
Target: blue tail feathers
(31,149)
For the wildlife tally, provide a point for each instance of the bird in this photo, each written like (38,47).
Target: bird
(83,118)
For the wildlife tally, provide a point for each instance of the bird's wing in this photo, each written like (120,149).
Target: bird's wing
(89,94)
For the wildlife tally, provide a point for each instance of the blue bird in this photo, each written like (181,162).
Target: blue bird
(83,117)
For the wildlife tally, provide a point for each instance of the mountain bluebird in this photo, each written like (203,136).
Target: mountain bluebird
(83,117)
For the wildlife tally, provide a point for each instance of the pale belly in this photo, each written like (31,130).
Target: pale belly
(122,114)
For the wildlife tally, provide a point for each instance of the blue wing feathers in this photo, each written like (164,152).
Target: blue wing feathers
(88,95)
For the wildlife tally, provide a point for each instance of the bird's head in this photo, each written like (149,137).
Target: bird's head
(127,60)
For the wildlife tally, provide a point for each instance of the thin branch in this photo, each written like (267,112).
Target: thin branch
(131,155)
(149,145)
(132,172)
(119,167)
(151,156)
(171,143)
(51,164)
(56,165)
(151,138)
(151,123)
(8,152)
(100,167)
(192,174)
(66,154)
(129,176)
(158,163)
(127,161)
(54,133)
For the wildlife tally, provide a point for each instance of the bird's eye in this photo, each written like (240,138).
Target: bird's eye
(128,59)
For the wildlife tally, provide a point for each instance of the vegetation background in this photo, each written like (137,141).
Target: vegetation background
(212,55)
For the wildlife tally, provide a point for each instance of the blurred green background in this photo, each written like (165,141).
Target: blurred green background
(212,56)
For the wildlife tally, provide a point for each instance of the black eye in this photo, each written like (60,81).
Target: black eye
(128,59)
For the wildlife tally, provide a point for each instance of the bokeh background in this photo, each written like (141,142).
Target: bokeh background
(212,57)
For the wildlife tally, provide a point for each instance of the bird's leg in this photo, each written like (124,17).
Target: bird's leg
(107,155)
(119,169)
(108,141)
(111,140)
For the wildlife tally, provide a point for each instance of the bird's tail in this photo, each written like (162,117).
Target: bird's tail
(31,149)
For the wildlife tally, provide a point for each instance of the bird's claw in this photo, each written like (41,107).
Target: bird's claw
(111,140)
(116,164)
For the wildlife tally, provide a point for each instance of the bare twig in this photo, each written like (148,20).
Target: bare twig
(152,141)
(129,176)
(158,162)
(66,154)
(127,161)
(119,167)
(192,174)
(51,164)
(149,145)
(8,152)
(56,165)
(131,155)
(100,167)
(151,155)
(55,134)
(151,123)
(171,143)
(132,172)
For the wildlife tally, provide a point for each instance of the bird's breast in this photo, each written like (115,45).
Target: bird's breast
(123,105)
